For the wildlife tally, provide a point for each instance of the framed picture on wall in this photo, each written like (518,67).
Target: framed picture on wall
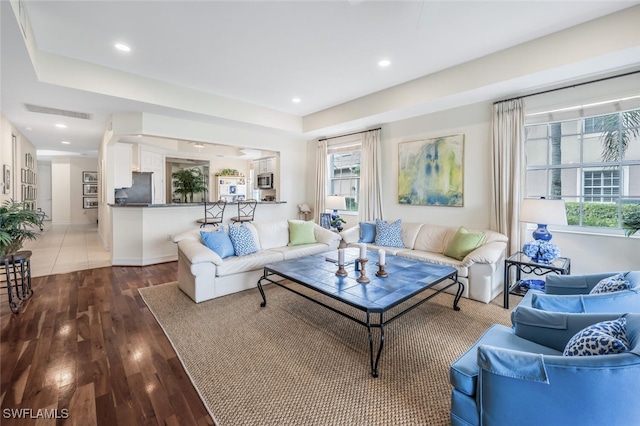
(90,177)
(6,178)
(90,202)
(90,189)
(325,220)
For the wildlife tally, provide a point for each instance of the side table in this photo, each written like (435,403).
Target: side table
(523,263)
(17,272)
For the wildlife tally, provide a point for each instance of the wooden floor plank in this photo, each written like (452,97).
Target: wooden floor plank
(87,343)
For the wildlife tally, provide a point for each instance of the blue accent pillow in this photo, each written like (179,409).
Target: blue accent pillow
(219,242)
(389,234)
(603,338)
(242,240)
(617,282)
(367,232)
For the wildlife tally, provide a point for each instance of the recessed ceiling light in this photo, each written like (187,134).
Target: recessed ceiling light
(61,126)
(66,142)
(296,100)
(384,63)
(123,47)
(198,145)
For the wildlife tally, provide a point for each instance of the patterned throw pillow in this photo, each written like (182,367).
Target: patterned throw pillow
(603,338)
(389,234)
(219,242)
(242,239)
(611,284)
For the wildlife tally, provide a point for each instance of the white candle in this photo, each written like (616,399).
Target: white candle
(340,257)
(381,257)
(363,251)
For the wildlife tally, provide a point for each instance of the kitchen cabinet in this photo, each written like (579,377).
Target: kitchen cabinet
(123,160)
(266,165)
(231,188)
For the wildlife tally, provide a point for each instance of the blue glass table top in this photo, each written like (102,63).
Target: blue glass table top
(407,277)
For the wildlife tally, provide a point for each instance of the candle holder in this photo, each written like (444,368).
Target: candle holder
(363,274)
(381,272)
(341,272)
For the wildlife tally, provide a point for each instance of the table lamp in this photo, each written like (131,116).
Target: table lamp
(335,203)
(543,212)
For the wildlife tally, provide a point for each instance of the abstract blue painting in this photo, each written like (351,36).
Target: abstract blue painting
(430,171)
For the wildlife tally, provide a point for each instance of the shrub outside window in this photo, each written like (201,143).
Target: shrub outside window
(593,163)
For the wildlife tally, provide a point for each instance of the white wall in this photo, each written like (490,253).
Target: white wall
(15,159)
(588,252)
(67,191)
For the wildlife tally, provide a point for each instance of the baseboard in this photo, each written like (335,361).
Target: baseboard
(145,261)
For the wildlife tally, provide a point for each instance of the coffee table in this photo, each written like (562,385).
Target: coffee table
(406,279)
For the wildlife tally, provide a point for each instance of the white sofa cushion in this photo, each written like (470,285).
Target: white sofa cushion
(293,252)
(433,238)
(257,260)
(272,234)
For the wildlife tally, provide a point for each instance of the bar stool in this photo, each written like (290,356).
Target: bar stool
(246,210)
(213,213)
(17,269)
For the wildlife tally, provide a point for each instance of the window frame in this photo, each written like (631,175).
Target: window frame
(342,149)
(583,134)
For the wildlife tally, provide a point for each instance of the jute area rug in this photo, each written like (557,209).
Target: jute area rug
(297,363)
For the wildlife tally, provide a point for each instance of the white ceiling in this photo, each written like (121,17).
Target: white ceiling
(262,53)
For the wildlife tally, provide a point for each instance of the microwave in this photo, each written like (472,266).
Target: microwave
(265,181)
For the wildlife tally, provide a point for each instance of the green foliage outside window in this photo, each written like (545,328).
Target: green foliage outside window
(602,215)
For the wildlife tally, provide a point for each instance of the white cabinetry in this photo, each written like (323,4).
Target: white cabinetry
(231,188)
(123,160)
(153,161)
(265,165)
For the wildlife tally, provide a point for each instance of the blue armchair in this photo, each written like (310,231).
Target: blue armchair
(570,293)
(520,377)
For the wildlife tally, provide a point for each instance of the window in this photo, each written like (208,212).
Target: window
(593,163)
(344,176)
(601,186)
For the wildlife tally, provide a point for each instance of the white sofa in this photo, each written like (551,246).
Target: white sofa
(204,275)
(481,271)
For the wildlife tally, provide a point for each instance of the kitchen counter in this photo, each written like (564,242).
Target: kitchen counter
(143,233)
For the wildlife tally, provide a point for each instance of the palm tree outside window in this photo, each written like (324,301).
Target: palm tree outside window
(593,163)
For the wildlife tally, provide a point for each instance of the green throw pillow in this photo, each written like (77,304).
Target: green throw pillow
(301,233)
(463,243)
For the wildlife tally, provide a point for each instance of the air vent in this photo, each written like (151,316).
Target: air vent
(56,111)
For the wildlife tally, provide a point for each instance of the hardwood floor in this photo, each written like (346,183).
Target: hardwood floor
(87,346)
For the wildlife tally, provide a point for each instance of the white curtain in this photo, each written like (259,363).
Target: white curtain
(508,159)
(370,199)
(321,180)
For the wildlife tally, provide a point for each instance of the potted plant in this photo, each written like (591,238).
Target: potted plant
(16,225)
(337,223)
(631,223)
(187,182)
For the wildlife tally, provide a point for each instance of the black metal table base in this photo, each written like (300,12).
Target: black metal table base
(367,323)
(17,268)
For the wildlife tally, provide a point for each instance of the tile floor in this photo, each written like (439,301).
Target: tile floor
(66,248)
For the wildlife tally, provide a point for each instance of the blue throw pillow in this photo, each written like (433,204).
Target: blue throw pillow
(603,338)
(367,232)
(389,234)
(617,282)
(219,242)
(242,239)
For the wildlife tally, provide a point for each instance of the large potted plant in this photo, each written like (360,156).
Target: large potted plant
(17,224)
(631,223)
(187,182)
